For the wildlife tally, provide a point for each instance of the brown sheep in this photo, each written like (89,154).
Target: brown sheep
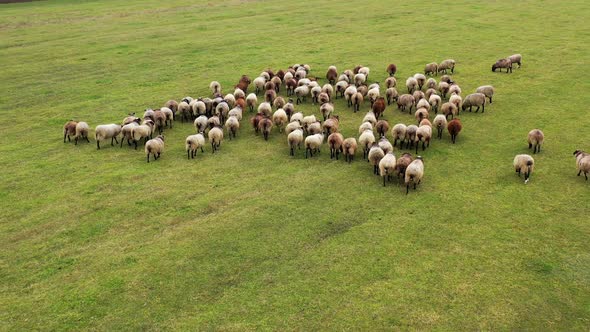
(502,63)
(454,127)
(382,127)
(335,141)
(69,129)
(535,139)
(331,125)
(379,107)
(391,69)
(265,126)
(349,146)
(332,75)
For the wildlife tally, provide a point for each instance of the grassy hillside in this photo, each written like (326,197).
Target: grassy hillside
(251,238)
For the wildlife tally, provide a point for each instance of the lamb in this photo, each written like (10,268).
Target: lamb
(454,127)
(391,69)
(144,131)
(410,135)
(447,64)
(402,163)
(154,146)
(379,107)
(313,143)
(515,58)
(526,163)
(366,140)
(295,138)
(431,69)
(411,84)
(232,125)
(184,110)
(103,132)
(370,117)
(502,63)
(349,149)
(536,138)
(200,123)
(391,95)
(259,84)
(215,138)
(374,157)
(385,144)
(382,127)
(449,109)
(301,93)
(421,79)
(435,102)
(82,129)
(193,143)
(332,74)
(279,118)
(331,125)
(487,90)
(414,173)
(365,126)
(475,99)
(215,87)
(582,162)
(69,129)
(127,132)
(265,109)
(387,166)
(440,122)
(335,141)
(405,101)
(423,134)
(359,79)
(265,126)
(399,133)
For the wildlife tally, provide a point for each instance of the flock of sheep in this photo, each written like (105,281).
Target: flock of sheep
(424,94)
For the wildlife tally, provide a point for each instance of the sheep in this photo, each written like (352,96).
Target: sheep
(173,105)
(425,122)
(443,88)
(401,164)
(373,94)
(278,102)
(365,71)
(200,123)
(447,64)
(405,101)
(349,149)
(421,114)
(399,133)
(243,84)
(487,90)
(265,109)
(251,101)
(335,141)
(315,94)
(331,125)
(387,166)
(410,135)
(323,98)
(421,79)
(382,127)
(348,93)
(411,84)
(385,144)
(279,118)
(82,129)
(168,114)
(343,78)
(449,109)
(193,143)
(291,85)
(365,126)
(440,122)
(199,107)
(295,138)
(299,74)
(265,75)
(213,121)
(155,147)
(215,87)
(423,103)
(297,117)
(307,120)
(456,100)
(269,85)
(327,109)
(475,99)
(292,126)
(379,107)
(103,132)
(144,131)
(314,128)
(423,134)
(241,104)
(414,173)
(265,126)
(370,117)
(418,95)
(69,129)
(341,87)
(313,143)
(454,127)
(502,63)
(356,69)
(359,79)
(430,83)
(215,138)
(366,140)
(446,79)
(454,89)
(329,90)
(391,69)
(301,92)
(288,75)
(332,74)
(515,58)
(184,110)
(431,69)
(126,132)
(230,100)
(187,99)
(222,109)
(374,157)
(356,101)
(130,118)
(237,112)
(148,114)
(391,95)
(159,120)
(526,163)
(535,139)
(270,95)
(232,125)
(582,162)
(277,83)
(259,84)
(434,102)
(208,105)
(430,92)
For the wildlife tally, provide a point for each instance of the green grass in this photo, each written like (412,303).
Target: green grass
(251,238)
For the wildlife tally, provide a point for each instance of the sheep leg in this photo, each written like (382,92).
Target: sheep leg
(407,188)
(97,144)
(188,154)
(383,181)
(212,147)
(586,175)
(76,140)
(148,157)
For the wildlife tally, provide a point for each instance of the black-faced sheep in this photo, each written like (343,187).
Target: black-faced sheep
(582,162)
(516,58)
(502,63)
(475,100)
(524,163)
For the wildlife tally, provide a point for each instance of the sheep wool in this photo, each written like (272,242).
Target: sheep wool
(193,143)
(387,166)
(414,173)
(524,163)
(154,147)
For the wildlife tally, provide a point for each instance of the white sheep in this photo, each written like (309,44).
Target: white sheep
(535,139)
(414,173)
(215,138)
(327,109)
(279,118)
(265,108)
(215,87)
(232,125)
(524,163)
(155,147)
(435,102)
(200,123)
(411,84)
(144,131)
(387,166)
(294,138)
(374,156)
(313,143)
(582,162)
(423,134)
(385,145)
(127,132)
(237,112)
(82,129)
(193,143)
(421,79)
(239,93)
(251,101)
(297,117)
(301,92)
(259,84)
(359,79)
(199,108)
(390,82)
(440,123)
(370,117)
(365,71)
(103,132)
(292,126)
(475,99)
(487,90)
(366,140)
(399,133)
(391,94)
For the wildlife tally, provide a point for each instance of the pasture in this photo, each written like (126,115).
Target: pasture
(251,238)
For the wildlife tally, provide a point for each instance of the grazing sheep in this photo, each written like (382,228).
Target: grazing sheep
(440,122)
(313,143)
(374,157)
(431,69)
(270,95)
(327,109)
(449,109)
(184,109)
(359,79)
(382,127)
(348,93)
(335,141)
(127,132)
(421,114)
(526,163)
(387,166)
(366,140)
(193,143)
(82,129)
(265,109)
(259,83)
(341,87)
(173,105)
(454,127)
(255,120)
(265,126)
(279,102)
(291,85)
(232,125)
(331,125)
(356,100)
(435,102)
(215,87)
(144,131)
(454,89)
(456,100)
(292,126)
(515,58)
(294,139)
(447,64)
(502,63)
(103,132)
(423,103)
(411,84)
(301,92)
(237,112)
(215,138)
(199,108)
(414,173)
(391,95)
(399,133)
(379,107)
(582,162)
(201,123)
(487,90)
(402,163)
(385,144)
(535,139)
(423,134)
(410,135)
(475,99)
(349,149)
(155,147)
(365,126)
(251,101)
(391,69)
(443,88)
(421,79)
(279,118)
(405,101)
(69,129)
(332,74)
(431,83)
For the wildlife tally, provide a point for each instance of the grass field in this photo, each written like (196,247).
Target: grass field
(251,238)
